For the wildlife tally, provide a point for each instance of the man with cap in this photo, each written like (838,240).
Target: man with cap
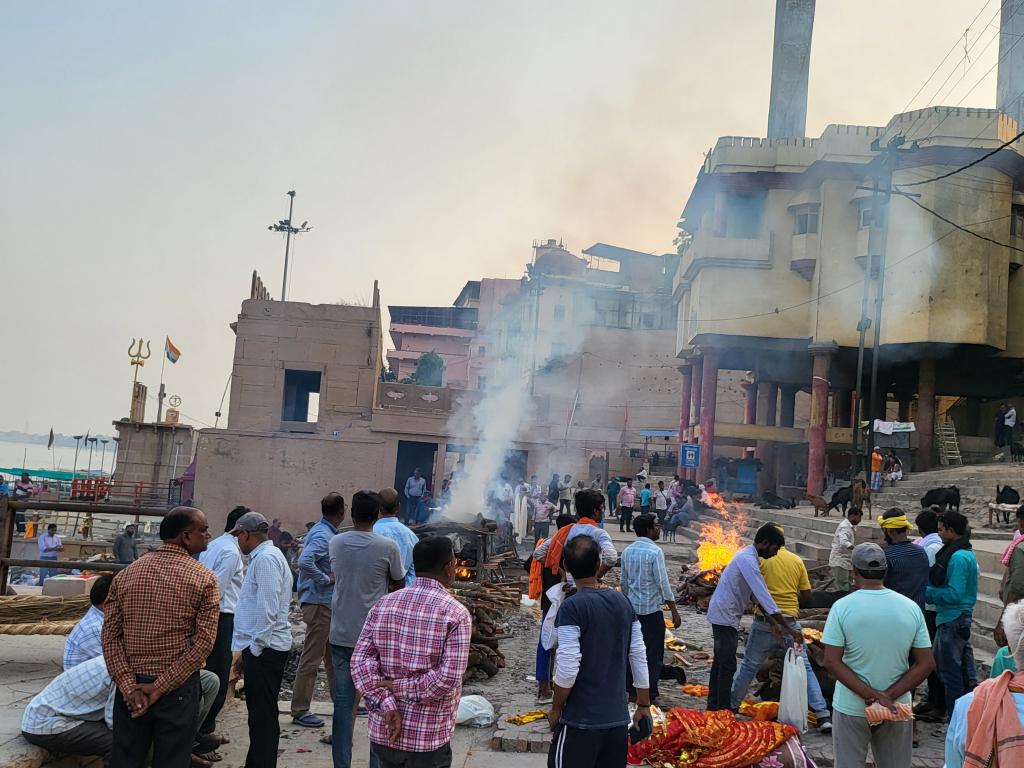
(262,633)
(870,637)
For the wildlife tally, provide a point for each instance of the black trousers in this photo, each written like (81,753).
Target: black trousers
(263,676)
(936,690)
(219,662)
(168,727)
(723,668)
(564,505)
(653,628)
(397,758)
(588,748)
(625,519)
(90,738)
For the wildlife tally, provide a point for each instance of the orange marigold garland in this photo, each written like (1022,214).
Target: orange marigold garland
(698,739)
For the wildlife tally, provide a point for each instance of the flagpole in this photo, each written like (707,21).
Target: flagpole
(160,395)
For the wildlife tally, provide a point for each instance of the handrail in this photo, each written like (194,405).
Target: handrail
(64,565)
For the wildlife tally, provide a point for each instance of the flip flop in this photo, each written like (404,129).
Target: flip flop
(328,739)
(308,720)
(198,762)
(212,756)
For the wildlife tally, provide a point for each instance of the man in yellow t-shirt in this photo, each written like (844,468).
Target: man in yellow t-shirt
(789,585)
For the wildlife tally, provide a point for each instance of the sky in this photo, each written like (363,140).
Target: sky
(146,148)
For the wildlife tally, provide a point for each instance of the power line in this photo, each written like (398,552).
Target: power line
(952,223)
(971,164)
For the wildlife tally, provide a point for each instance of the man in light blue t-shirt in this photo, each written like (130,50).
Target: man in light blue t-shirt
(389,526)
(869,639)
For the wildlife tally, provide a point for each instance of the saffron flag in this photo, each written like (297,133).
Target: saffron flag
(172,352)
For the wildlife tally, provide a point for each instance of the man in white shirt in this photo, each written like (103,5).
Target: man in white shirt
(84,641)
(50,547)
(842,549)
(224,559)
(1009,422)
(415,485)
(74,714)
(662,499)
(263,634)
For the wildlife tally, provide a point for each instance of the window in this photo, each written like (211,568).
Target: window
(481,382)
(1017,221)
(743,215)
(867,216)
(301,396)
(805,219)
(559,311)
(481,351)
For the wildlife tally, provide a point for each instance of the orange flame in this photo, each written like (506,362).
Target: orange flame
(718,542)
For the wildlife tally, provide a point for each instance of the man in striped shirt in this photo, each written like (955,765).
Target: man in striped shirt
(84,641)
(409,661)
(645,583)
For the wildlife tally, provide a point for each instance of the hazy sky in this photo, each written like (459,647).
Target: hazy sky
(146,148)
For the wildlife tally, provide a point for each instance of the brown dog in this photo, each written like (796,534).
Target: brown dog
(820,505)
(862,495)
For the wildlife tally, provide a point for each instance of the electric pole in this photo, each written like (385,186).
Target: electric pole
(285,225)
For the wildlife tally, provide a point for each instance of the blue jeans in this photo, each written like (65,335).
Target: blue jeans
(45,573)
(344,704)
(411,504)
(954,659)
(760,643)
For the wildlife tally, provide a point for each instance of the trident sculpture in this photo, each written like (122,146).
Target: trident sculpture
(138,359)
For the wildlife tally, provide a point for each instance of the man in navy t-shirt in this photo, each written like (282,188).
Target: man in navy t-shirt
(597,633)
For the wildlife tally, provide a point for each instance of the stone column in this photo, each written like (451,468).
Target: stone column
(787,405)
(841,415)
(767,394)
(686,371)
(696,392)
(751,403)
(821,353)
(925,422)
(709,398)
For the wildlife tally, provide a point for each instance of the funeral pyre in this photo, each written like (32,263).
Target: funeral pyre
(488,605)
(718,541)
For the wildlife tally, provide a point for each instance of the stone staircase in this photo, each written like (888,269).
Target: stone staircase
(811,538)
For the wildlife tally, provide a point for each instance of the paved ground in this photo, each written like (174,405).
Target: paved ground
(29,663)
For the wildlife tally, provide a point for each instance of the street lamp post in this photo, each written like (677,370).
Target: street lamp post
(92,443)
(74,467)
(285,225)
(103,453)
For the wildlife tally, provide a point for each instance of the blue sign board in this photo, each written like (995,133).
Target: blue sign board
(690,456)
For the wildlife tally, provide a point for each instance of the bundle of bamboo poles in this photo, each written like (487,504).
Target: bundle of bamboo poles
(41,615)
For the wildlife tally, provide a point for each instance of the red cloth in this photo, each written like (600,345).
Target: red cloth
(993,725)
(536,588)
(418,637)
(554,559)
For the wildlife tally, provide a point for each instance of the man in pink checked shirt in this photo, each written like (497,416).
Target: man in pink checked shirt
(409,662)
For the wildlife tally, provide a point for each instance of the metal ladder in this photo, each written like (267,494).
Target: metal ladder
(949,446)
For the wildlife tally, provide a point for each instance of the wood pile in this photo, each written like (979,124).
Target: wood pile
(697,586)
(487,604)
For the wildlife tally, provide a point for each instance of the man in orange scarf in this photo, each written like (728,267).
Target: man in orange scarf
(987,727)
(590,508)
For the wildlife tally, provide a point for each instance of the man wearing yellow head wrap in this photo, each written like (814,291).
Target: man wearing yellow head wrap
(907,571)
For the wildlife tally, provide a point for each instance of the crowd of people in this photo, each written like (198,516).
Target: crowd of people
(148,669)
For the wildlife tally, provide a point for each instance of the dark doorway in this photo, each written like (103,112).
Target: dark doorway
(515,466)
(413,454)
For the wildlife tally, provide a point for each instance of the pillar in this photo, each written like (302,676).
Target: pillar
(751,403)
(841,415)
(925,422)
(787,405)
(821,354)
(767,394)
(686,372)
(696,391)
(791,61)
(708,404)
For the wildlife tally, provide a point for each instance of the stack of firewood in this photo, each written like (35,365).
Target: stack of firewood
(487,603)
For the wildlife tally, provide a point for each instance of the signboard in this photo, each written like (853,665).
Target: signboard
(689,456)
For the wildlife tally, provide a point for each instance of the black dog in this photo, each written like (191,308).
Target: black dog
(770,500)
(841,498)
(1016,452)
(943,498)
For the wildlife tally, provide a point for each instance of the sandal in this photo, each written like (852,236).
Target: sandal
(308,720)
(328,739)
(198,762)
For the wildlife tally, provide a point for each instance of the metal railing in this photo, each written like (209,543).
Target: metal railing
(9,509)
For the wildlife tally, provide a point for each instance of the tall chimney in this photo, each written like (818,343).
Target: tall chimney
(1010,83)
(791,63)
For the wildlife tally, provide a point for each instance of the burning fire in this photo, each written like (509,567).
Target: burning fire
(463,571)
(718,542)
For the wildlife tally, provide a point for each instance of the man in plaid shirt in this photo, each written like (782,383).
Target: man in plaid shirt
(409,662)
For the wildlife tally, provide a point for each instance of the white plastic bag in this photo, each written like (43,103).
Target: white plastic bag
(476,711)
(793,700)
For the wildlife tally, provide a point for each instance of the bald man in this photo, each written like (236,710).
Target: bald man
(390,526)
